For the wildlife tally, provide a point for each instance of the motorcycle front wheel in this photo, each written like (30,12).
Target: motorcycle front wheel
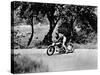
(50,50)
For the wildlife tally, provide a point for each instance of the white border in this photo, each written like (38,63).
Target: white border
(5,34)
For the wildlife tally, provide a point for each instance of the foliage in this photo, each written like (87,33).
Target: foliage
(71,16)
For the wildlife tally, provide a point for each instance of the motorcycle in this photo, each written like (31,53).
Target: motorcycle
(57,47)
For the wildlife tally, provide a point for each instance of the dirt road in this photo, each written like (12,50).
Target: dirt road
(79,60)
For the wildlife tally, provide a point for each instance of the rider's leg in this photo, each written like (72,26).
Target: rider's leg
(64,42)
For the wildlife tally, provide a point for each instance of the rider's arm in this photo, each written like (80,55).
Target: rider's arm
(64,40)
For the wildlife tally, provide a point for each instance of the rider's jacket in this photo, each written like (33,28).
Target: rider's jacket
(61,39)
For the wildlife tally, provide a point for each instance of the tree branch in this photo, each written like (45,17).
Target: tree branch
(57,20)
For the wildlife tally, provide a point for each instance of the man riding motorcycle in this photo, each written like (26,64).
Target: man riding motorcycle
(61,40)
(60,46)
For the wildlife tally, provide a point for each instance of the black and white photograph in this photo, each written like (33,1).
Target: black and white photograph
(53,37)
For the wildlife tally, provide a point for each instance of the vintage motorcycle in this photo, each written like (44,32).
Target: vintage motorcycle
(57,47)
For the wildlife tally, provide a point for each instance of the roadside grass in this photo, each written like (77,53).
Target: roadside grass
(85,46)
(39,33)
(23,64)
(90,45)
(40,45)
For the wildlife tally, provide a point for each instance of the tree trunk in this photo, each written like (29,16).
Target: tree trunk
(30,39)
(48,38)
(72,37)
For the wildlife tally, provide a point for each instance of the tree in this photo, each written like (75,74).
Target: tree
(30,10)
(55,12)
(72,15)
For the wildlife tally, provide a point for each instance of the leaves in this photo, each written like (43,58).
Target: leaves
(68,14)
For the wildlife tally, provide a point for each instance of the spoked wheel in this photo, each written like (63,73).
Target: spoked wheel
(50,51)
(70,48)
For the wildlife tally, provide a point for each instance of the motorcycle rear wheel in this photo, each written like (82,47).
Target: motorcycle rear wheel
(70,48)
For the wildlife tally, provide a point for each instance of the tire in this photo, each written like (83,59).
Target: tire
(50,50)
(70,48)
